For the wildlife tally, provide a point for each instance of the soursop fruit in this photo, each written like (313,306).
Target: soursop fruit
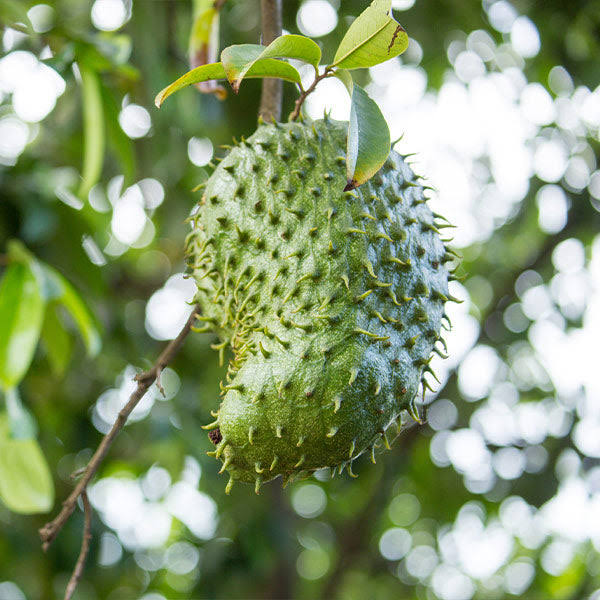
(328,301)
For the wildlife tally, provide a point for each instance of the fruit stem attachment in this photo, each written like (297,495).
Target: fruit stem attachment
(328,72)
(272,89)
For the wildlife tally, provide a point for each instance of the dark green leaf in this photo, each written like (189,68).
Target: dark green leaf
(238,60)
(56,341)
(21,314)
(26,484)
(368,139)
(373,38)
(69,297)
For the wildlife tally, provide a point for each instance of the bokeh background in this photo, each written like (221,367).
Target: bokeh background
(499,495)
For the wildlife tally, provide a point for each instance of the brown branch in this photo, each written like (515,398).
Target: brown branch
(144,380)
(85,547)
(304,93)
(272,89)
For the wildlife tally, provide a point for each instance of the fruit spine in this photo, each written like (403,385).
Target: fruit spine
(330,302)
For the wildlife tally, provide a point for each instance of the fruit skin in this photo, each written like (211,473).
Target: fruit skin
(330,301)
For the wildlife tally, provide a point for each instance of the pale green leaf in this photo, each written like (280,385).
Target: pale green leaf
(21,314)
(26,484)
(93,129)
(267,67)
(56,341)
(373,38)
(242,60)
(70,298)
(238,60)
(22,425)
(368,139)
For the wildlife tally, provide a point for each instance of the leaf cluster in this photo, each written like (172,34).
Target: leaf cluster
(373,37)
(33,298)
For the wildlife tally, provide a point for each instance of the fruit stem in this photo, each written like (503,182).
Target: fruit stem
(328,72)
(272,89)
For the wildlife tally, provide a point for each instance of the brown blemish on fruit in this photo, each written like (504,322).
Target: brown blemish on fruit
(215,436)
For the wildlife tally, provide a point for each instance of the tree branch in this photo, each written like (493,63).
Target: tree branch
(304,93)
(85,547)
(144,380)
(272,89)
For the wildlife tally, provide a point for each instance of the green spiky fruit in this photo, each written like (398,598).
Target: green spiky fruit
(330,301)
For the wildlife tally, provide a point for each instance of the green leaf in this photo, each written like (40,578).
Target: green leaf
(238,60)
(22,425)
(346,79)
(267,67)
(368,139)
(197,75)
(26,484)
(21,314)
(93,129)
(56,341)
(69,297)
(373,38)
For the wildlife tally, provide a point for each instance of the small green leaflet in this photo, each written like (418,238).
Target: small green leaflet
(238,60)
(93,129)
(368,139)
(26,484)
(21,313)
(266,67)
(373,38)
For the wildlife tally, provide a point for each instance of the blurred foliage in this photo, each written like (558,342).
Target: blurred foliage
(262,547)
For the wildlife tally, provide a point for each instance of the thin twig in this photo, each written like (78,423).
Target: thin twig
(144,380)
(304,93)
(85,547)
(272,89)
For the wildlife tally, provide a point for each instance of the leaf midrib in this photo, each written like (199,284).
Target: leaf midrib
(356,48)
